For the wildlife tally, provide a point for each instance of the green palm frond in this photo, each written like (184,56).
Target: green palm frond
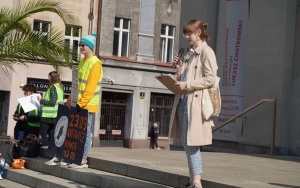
(20,46)
(18,43)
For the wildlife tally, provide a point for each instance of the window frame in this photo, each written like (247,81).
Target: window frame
(120,31)
(40,31)
(164,43)
(71,38)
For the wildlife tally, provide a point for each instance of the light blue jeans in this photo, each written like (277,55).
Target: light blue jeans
(192,152)
(88,140)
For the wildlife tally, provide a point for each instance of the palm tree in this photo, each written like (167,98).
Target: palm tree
(20,44)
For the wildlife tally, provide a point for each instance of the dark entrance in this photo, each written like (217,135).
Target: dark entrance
(113,111)
(160,111)
(4,104)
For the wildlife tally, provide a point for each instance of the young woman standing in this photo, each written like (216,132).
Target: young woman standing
(53,97)
(196,72)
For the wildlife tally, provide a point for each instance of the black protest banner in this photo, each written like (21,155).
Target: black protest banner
(60,132)
(70,134)
(76,135)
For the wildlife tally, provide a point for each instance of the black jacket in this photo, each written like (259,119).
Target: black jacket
(153,132)
(18,113)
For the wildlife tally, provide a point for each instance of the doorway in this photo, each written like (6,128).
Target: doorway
(113,112)
(4,105)
(160,112)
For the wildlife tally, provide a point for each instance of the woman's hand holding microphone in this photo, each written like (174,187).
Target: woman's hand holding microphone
(178,65)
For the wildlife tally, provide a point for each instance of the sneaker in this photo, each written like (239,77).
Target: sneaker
(82,165)
(44,147)
(62,163)
(54,161)
(196,185)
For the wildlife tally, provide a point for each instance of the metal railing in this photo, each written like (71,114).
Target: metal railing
(249,109)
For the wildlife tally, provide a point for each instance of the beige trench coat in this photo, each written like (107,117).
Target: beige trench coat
(201,74)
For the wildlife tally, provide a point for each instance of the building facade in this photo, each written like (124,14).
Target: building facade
(271,71)
(136,42)
(37,72)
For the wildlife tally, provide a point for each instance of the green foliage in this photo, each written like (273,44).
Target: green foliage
(20,44)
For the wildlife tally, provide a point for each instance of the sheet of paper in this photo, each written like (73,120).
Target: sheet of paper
(30,102)
(169,81)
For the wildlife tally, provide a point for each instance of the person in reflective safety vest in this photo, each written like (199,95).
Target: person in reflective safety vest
(89,87)
(31,118)
(53,97)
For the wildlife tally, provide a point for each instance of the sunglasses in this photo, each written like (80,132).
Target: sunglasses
(82,45)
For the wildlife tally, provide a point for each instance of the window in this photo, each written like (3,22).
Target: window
(160,112)
(72,38)
(166,43)
(42,28)
(121,37)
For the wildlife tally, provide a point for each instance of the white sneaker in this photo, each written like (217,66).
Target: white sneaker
(54,161)
(1,177)
(62,163)
(82,165)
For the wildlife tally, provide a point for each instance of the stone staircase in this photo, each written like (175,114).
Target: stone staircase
(10,184)
(101,173)
(37,174)
(117,167)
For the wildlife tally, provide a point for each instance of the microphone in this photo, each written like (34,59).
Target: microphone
(180,53)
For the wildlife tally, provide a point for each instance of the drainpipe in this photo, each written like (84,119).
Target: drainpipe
(96,122)
(99,28)
(91,17)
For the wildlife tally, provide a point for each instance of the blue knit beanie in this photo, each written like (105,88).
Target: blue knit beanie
(89,40)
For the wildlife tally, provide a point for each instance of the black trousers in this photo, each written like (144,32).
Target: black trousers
(47,133)
(153,142)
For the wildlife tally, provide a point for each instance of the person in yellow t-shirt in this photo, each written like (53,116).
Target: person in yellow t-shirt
(89,87)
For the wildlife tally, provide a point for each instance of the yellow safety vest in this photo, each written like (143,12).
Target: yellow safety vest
(34,113)
(51,111)
(19,108)
(84,69)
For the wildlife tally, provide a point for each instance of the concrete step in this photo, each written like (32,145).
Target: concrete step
(157,177)
(32,178)
(159,173)
(10,184)
(162,167)
(86,177)
(137,172)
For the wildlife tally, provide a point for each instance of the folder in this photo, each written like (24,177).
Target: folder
(169,81)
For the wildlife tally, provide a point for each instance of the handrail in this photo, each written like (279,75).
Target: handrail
(250,108)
